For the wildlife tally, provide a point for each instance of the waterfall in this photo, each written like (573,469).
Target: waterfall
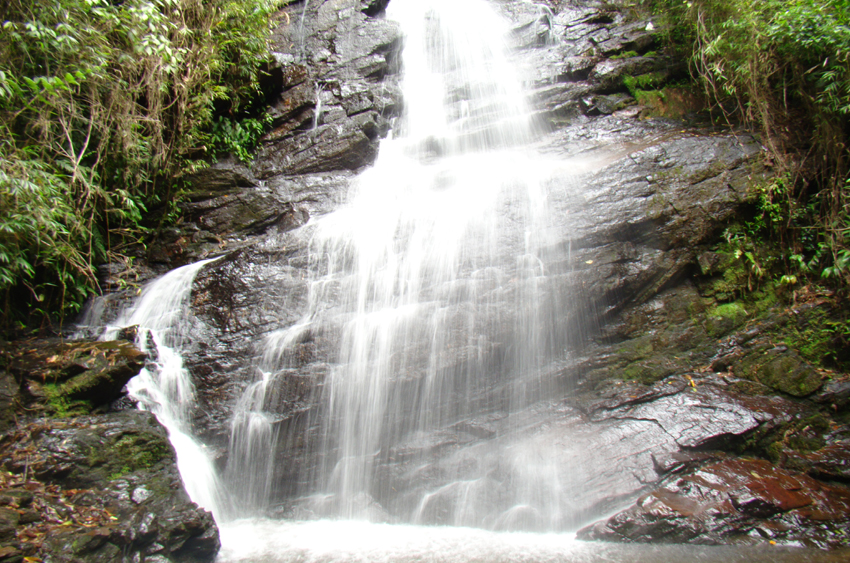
(436,281)
(164,386)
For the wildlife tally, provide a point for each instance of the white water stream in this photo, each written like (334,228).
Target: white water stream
(438,258)
(164,386)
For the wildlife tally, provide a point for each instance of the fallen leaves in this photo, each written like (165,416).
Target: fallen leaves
(56,509)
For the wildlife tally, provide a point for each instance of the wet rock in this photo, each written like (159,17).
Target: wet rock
(634,36)
(334,65)
(611,103)
(327,148)
(62,378)
(116,489)
(781,369)
(836,394)
(726,502)
(608,75)
(636,204)
(226,175)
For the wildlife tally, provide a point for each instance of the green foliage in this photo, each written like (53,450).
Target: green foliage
(783,67)
(238,137)
(822,337)
(104,106)
(643,82)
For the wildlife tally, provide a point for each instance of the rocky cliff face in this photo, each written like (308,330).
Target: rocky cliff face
(77,486)
(664,385)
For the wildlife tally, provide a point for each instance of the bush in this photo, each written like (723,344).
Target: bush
(782,67)
(104,106)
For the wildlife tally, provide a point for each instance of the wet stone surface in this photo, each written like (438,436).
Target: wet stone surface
(102,488)
(734,501)
(661,394)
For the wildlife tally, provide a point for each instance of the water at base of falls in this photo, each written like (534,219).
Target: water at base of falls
(274,541)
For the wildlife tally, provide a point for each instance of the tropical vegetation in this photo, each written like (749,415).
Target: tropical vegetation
(781,68)
(105,107)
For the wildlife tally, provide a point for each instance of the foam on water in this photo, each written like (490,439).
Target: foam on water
(324,541)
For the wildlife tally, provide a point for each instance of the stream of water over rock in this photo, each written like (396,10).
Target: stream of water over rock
(411,276)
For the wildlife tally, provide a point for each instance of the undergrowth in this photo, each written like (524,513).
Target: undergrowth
(105,107)
(781,67)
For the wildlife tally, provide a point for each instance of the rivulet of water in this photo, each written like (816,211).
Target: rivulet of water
(164,386)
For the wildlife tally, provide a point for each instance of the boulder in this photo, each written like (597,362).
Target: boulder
(105,487)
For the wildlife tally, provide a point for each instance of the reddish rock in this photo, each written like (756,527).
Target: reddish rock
(733,500)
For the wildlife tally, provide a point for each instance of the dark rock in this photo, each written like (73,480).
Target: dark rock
(16,498)
(722,502)
(635,36)
(224,176)
(320,150)
(8,524)
(8,392)
(780,369)
(712,263)
(121,463)
(611,103)
(836,394)
(62,378)
(608,75)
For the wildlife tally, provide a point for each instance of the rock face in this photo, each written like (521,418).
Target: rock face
(89,488)
(63,378)
(667,380)
(744,501)
(336,99)
(102,488)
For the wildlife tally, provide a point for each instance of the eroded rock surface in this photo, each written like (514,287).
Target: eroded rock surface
(734,501)
(102,488)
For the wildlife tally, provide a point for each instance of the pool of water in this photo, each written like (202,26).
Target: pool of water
(324,541)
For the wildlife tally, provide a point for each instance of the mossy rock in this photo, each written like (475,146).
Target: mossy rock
(648,373)
(780,369)
(64,379)
(132,451)
(725,318)
(714,263)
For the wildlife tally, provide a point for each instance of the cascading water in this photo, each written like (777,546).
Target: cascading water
(164,386)
(447,301)
(437,280)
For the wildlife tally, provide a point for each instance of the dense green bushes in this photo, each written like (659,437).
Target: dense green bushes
(103,107)
(782,67)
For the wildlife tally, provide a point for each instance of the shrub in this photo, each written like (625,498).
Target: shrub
(104,106)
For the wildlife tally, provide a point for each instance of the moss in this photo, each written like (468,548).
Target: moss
(60,405)
(636,348)
(647,373)
(721,319)
(625,55)
(640,84)
(732,311)
(806,444)
(128,453)
(821,335)
(780,370)
(774,452)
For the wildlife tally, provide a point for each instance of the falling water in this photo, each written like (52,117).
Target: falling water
(442,287)
(436,281)
(164,386)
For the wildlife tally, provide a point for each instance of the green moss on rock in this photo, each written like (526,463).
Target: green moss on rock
(128,453)
(724,318)
(780,369)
